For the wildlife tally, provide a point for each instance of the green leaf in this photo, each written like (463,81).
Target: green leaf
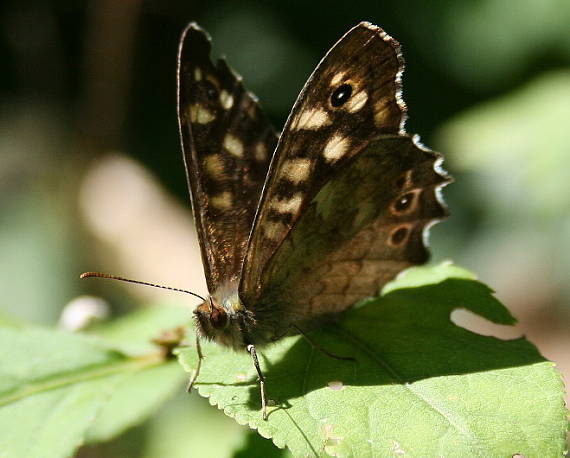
(420,385)
(58,390)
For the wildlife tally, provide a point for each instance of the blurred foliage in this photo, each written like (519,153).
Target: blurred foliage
(517,168)
(66,389)
(486,82)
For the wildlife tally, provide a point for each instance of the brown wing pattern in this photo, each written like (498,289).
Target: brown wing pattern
(227,144)
(364,226)
(351,97)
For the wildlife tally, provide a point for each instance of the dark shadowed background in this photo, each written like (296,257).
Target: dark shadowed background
(91,174)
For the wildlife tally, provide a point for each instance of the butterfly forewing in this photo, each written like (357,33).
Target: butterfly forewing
(227,144)
(351,97)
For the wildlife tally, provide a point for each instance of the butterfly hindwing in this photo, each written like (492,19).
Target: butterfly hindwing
(352,96)
(227,144)
(363,227)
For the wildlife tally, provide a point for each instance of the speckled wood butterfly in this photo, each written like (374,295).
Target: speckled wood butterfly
(297,227)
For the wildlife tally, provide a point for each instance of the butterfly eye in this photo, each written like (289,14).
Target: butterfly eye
(341,95)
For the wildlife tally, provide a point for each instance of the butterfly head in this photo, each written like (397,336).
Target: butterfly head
(222,318)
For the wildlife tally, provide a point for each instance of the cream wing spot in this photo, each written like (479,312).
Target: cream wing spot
(336,148)
(357,101)
(222,201)
(311,119)
(290,205)
(214,166)
(296,170)
(198,74)
(381,111)
(226,99)
(233,145)
(251,112)
(260,152)
(273,229)
(201,115)
(337,78)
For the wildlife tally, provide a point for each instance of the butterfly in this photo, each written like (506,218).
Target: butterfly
(297,227)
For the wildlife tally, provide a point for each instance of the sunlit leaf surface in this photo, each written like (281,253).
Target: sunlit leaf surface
(420,385)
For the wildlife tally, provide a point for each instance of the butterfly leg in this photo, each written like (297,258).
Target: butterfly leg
(253,353)
(197,371)
(319,347)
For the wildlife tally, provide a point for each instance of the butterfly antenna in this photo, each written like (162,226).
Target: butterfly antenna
(138,282)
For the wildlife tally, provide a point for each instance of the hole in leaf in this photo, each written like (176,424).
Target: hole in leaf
(475,323)
(335,385)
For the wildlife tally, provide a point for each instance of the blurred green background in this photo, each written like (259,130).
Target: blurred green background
(91,175)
